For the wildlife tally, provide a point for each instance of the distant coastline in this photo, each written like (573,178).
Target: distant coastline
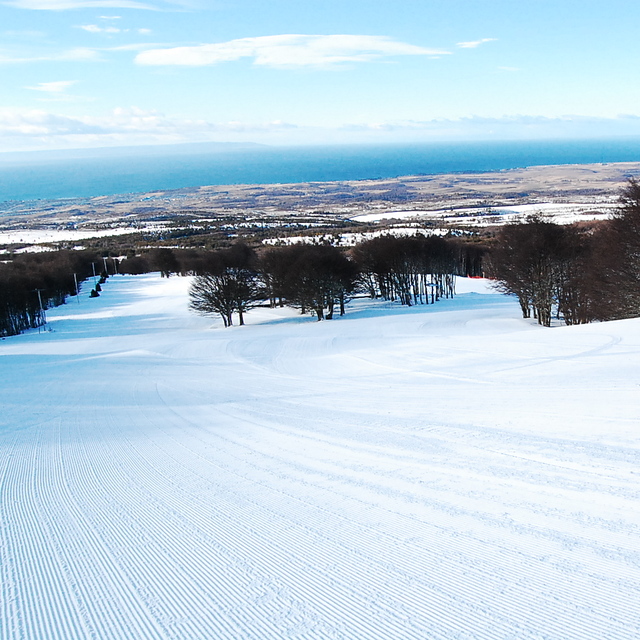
(109,172)
(568,192)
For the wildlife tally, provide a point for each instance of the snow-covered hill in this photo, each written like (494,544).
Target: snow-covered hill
(442,472)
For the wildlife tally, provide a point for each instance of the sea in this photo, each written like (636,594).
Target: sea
(107,172)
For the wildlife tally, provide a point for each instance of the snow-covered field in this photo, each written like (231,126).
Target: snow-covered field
(437,473)
(560,213)
(338,239)
(40,236)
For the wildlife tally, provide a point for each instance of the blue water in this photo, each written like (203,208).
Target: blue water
(48,176)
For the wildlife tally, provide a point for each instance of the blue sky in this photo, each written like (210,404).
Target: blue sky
(82,73)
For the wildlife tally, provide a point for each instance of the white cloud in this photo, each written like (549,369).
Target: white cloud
(81,54)
(57,92)
(53,87)
(287,50)
(94,28)
(475,43)
(60,5)
(134,46)
(40,123)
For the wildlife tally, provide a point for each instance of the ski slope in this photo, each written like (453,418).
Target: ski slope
(449,472)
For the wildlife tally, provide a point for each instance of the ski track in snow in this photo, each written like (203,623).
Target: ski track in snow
(448,472)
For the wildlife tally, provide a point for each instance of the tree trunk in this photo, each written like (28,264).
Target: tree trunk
(330,310)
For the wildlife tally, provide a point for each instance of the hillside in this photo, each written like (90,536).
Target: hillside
(442,472)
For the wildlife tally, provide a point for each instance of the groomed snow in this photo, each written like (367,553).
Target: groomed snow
(434,473)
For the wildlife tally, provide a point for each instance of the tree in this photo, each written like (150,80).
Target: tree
(229,285)
(211,293)
(319,278)
(164,261)
(542,263)
(275,264)
(576,273)
(414,270)
(617,254)
(26,279)
(135,265)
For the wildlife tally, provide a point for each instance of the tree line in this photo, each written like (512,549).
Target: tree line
(32,283)
(570,272)
(318,279)
(321,279)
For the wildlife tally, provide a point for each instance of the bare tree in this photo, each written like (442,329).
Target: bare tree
(617,286)
(320,277)
(164,261)
(212,293)
(528,261)
(413,270)
(229,285)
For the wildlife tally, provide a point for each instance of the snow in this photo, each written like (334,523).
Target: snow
(561,213)
(441,472)
(338,239)
(38,236)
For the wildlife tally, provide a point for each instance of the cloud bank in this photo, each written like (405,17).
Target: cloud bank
(288,50)
(39,129)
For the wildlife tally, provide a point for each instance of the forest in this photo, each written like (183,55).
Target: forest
(571,273)
(32,283)
(321,278)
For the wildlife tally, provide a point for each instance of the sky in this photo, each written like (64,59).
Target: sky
(95,73)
